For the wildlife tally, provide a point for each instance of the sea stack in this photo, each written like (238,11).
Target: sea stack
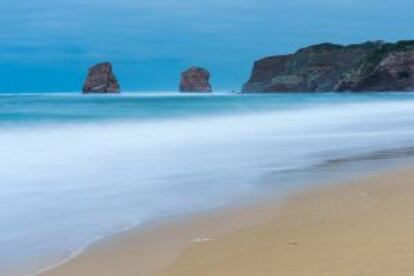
(101,79)
(327,67)
(195,79)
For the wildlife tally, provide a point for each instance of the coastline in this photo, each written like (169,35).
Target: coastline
(157,243)
(176,158)
(290,237)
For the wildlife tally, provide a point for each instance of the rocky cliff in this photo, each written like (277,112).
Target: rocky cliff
(195,79)
(101,79)
(371,66)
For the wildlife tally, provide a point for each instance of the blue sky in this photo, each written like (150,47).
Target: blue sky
(47,45)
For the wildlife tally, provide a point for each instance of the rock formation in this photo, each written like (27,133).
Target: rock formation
(195,79)
(371,66)
(101,80)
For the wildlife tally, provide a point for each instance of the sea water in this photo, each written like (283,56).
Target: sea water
(77,168)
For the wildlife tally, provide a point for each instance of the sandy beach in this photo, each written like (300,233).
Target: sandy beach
(359,227)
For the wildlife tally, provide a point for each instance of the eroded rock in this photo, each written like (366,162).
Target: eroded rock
(101,79)
(195,79)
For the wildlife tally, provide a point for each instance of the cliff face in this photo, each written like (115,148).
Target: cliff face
(388,68)
(101,79)
(195,79)
(371,66)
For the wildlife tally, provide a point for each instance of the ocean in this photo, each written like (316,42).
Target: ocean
(75,168)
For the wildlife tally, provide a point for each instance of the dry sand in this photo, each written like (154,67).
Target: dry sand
(363,227)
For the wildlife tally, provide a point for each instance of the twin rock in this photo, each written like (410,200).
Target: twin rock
(370,66)
(101,79)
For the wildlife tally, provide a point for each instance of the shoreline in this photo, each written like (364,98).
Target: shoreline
(172,233)
(159,247)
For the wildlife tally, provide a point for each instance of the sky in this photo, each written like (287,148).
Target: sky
(48,45)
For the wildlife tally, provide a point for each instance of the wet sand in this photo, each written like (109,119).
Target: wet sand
(360,227)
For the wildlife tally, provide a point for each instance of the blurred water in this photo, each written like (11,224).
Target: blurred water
(75,168)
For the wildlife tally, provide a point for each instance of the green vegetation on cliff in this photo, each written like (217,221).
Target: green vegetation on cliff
(369,66)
